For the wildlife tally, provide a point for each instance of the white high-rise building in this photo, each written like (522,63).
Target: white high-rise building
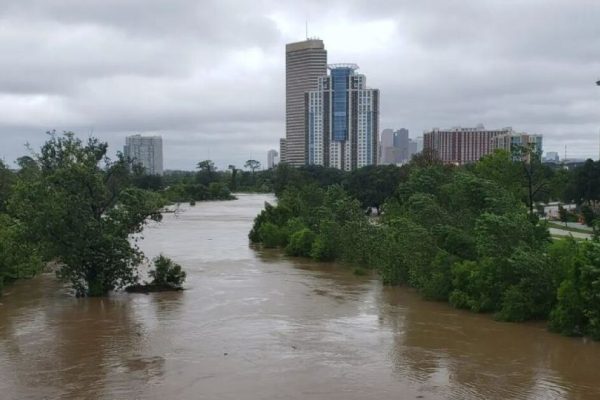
(271,158)
(147,151)
(342,117)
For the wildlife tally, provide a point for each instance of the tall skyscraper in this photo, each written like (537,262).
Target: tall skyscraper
(462,145)
(305,63)
(271,156)
(342,117)
(147,151)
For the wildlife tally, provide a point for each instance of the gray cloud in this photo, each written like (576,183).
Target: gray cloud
(209,75)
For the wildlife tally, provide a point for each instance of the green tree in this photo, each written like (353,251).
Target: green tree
(252,165)
(82,213)
(536,177)
(18,257)
(500,169)
(6,181)
(373,184)
(233,179)
(577,311)
(206,172)
(426,158)
(532,290)
(588,215)
(584,187)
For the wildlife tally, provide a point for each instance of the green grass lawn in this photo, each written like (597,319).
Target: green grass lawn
(560,226)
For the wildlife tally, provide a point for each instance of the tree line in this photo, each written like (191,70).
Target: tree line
(467,235)
(206,183)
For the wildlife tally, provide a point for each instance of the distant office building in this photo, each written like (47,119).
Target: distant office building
(272,158)
(396,147)
(387,138)
(305,63)
(512,142)
(385,141)
(461,145)
(342,120)
(147,151)
(419,144)
(552,157)
(413,148)
(282,150)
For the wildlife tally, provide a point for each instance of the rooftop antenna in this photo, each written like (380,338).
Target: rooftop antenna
(306,27)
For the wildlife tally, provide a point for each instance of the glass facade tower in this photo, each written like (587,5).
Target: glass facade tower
(342,120)
(339,83)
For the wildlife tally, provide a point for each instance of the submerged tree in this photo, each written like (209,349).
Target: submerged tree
(83,213)
(206,172)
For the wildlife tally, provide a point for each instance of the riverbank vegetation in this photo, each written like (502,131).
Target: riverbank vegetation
(73,205)
(465,235)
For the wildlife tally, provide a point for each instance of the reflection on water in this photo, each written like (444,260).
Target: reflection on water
(255,324)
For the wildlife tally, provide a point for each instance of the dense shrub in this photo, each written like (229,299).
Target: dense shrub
(166,272)
(588,215)
(301,242)
(578,307)
(271,235)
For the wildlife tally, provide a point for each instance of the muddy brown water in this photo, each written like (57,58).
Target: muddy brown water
(257,325)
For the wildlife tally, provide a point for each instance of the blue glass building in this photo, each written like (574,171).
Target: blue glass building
(342,120)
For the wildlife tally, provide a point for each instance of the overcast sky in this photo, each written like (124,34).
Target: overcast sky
(209,75)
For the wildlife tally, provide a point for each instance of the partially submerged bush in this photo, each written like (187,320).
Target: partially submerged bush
(167,272)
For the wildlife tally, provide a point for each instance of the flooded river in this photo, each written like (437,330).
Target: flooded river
(256,325)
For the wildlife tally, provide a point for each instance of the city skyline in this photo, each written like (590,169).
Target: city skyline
(94,69)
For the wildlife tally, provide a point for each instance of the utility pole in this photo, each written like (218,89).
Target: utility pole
(598,84)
